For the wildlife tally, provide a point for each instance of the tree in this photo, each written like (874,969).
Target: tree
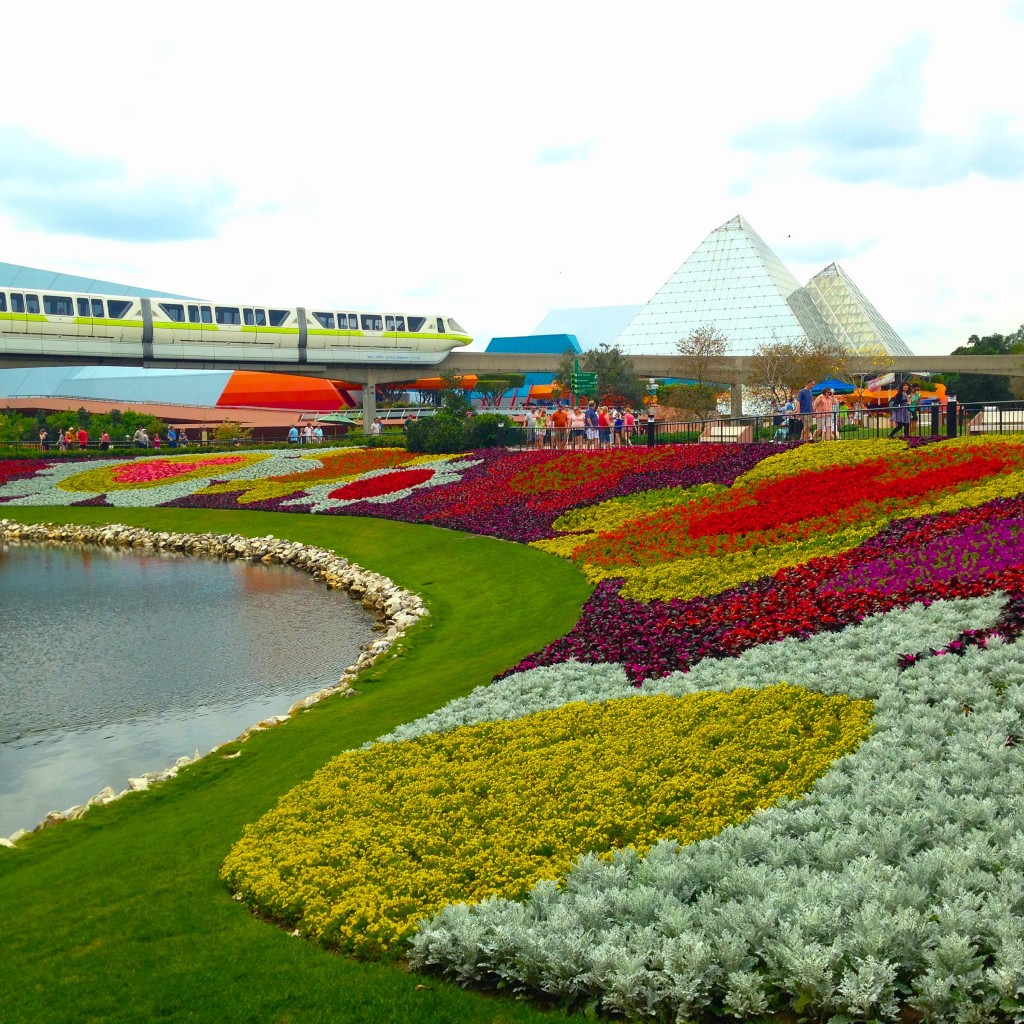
(698,350)
(393,392)
(778,368)
(985,387)
(700,399)
(617,381)
(493,387)
(230,431)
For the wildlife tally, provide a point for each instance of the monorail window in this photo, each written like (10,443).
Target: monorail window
(117,309)
(206,314)
(440,326)
(17,302)
(325,320)
(174,311)
(58,305)
(453,326)
(389,323)
(278,317)
(228,315)
(193,314)
(3,302)
(399,323)
(254,317)
(83,307)
(394,323)
(261,318)
(32,304)
(97,307)
(372,323)
(416,323)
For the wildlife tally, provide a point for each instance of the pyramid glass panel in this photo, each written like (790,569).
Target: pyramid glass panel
(851,318)
(735,283)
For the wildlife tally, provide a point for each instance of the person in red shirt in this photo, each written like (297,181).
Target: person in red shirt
(83,437)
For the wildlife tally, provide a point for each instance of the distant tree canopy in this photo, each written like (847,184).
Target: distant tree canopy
(697,351)
(17,427)
(617,381)
(985,387)
(778,368)
(699,399)
(492,387)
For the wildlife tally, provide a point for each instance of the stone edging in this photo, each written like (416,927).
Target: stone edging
(395,608)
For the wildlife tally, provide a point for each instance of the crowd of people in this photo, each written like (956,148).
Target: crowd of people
(306,434)
(807,416)
(579,427)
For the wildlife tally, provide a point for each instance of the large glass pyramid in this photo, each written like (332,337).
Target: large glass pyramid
(735,283)
(850,317)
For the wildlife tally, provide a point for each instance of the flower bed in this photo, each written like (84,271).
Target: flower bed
(854,571)
(363,851)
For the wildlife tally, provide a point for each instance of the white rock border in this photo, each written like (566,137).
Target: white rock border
(396,610)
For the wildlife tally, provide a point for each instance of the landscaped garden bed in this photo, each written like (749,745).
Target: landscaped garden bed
(773,768)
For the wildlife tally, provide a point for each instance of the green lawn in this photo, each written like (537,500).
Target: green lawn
(120,916)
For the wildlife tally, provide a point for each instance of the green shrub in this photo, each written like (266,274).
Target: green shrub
(439,434)
(483,429)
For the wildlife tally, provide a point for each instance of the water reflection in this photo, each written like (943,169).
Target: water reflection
(114,663)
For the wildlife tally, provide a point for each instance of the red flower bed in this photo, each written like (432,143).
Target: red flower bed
(19,469)
(386,483)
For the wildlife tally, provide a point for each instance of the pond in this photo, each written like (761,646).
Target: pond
(116,663)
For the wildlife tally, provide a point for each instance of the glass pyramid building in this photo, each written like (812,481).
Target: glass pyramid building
(849,315)
(735,283)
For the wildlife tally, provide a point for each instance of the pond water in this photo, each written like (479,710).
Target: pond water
(117,663)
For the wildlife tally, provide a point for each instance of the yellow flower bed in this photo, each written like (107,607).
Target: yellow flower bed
(385,836)
(821,455)
(684,578)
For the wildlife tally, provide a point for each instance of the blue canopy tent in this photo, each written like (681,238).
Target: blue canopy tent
(840,387)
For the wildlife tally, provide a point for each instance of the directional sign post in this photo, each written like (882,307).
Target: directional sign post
(581,383)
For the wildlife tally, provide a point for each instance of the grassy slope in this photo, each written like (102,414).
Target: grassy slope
(120,916)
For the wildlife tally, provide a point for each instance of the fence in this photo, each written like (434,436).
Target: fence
(953,419)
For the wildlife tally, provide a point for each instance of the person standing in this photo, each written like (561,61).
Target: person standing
(591,418)
(577,427)
(560,423)
(900,405)
(172,438)
(318,434)
(83,438)
(541,421)
(377,428)
(628,426)
(530,423)
(915,406)
(156,440)
(104,442)
(823,415)
(293,434)
(44,440)
(805,406)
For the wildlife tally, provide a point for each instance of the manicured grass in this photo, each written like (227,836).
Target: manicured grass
(120,916)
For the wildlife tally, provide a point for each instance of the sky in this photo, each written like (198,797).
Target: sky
(494,162)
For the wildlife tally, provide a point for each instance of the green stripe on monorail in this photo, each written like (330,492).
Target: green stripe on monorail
(175,325)
(403,335)
(95,321)
(36,318)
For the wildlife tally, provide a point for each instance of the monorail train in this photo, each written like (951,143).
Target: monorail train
(87,326)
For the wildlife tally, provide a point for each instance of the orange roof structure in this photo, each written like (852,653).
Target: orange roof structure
(280,391)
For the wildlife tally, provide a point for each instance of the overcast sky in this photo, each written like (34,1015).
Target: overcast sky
(492,162)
